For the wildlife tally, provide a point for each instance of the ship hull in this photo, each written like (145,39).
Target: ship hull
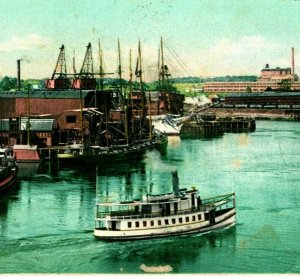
(104,158)
(221,222)
(9,181)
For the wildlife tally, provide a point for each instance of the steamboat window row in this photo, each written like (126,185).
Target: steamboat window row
(160,222)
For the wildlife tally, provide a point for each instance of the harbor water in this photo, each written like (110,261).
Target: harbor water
(46,222)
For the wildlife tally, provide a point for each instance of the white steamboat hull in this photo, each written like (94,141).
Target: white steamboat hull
(223,221)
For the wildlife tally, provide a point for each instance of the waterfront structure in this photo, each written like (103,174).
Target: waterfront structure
(284,100)
(14,130)
(50,118)
(178,213)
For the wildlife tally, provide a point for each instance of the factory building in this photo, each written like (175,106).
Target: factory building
(270,79)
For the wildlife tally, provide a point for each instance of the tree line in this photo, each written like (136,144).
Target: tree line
(10,84)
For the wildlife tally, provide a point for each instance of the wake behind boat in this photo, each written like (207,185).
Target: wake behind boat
(178,213)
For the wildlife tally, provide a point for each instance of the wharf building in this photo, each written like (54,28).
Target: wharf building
(58,117)
(53,116)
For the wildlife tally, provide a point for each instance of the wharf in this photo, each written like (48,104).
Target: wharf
(211,125)
(50,153)
(237,123)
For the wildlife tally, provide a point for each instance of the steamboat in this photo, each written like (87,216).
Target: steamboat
(180,212)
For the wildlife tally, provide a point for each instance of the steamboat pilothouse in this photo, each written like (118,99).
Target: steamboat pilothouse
(180,212)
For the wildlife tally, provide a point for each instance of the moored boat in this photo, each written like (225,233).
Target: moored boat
(26,153)
(104,155)
(77,152)
(179,213)
(8,170)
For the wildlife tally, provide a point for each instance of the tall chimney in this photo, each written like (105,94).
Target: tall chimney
(293,63)
(175,182)
(19,74)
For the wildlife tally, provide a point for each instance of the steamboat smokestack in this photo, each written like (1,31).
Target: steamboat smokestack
(293,63)
(19,74)
(175,182)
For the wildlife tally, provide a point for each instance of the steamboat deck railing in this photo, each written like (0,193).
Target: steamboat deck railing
(208,204)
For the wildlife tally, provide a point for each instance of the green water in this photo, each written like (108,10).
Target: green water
(46,223)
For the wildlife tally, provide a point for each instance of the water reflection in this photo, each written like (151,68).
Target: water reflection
(125,182)
(176,251)
(27,170)
(7,197)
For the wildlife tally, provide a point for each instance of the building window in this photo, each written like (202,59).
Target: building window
(159,222)
(144,223)
(166,221)
(194,218)
(187,219)
(71,119)
(173,221)
(180,220)
(152,223)
(129,224)
(199,217)
(137,224)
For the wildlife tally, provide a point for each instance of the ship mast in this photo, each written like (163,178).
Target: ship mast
(28,125)
(163,74)
(102,73)
(140,75)
(74,65)
(120,68)
(131,90)
(101,70)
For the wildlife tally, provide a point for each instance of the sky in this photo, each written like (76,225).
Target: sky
(201,38)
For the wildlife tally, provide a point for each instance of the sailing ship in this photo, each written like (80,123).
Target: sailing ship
(181,212)
(8,169)
(120,130)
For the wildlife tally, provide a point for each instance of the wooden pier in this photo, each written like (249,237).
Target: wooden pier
(237,123)
(210,125)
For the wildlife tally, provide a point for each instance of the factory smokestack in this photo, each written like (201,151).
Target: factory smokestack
(293,63)
(19,74)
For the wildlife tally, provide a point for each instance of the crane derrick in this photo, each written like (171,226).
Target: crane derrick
(59,79)
(85,79)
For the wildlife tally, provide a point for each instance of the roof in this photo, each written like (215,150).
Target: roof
(36,124)
(46,94)
(263,94)
(26,154)
(276,69)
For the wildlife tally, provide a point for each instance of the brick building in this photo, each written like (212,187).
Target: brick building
(270,79)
